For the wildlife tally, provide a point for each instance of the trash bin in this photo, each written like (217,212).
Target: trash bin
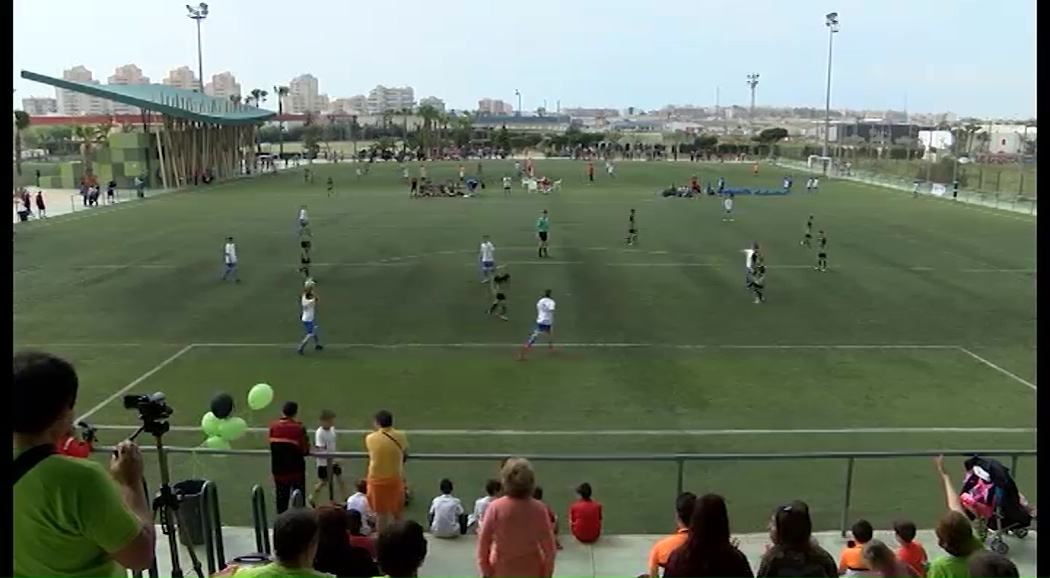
(23,215)
(191,511)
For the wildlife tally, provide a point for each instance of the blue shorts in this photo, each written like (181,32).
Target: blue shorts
(488,266)
(231,266)
(543,328)
(303,222)
(309,327)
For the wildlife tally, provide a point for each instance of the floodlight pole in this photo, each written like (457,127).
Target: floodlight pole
(198,15)
(752,83)
(832,22)
(517,93)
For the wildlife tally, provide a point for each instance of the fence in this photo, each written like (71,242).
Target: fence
(211,522)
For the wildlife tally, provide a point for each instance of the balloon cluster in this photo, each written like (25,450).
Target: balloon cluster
(221,426)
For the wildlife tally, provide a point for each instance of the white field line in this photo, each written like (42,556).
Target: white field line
(649,432)
(573,345)
(136,382)
(1005,372)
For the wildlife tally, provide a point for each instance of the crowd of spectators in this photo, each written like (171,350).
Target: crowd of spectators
(101,521)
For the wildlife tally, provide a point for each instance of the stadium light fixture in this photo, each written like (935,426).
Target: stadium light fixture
(752,83)
(831,21)
(198,14)
(517,93)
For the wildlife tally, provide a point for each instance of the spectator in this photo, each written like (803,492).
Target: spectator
(990,565)
(325,441)
(585,516)
(661,551)
(492,490)
(517,538)
(910,552)
(954,534)
(357,537)
(446,516)
(851,561)
(335,554)
(359,502)
(289,447)
(386,481)
(71,517)
(296,534)
(794,552)
(401,549)
(537,495)
(707,550)
(883,563)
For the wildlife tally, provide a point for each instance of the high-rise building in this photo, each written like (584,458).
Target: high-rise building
(182,77)
(494,106)
(382,99)
(223,85)
(126,75)
(39,105)
(73,103)
(433,102)
(304,96)
(355,105)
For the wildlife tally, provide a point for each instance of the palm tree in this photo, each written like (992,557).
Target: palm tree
(429,115)
(88,136)
(235,98)
(258,96)
(21,123)
(281,92)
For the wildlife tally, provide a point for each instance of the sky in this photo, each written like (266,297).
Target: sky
(970,57)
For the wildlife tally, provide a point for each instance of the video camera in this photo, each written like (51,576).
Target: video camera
(151,408)
(88,433)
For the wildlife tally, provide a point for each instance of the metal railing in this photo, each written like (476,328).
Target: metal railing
(680,460)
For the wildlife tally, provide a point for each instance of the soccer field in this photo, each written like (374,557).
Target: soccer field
(921,336)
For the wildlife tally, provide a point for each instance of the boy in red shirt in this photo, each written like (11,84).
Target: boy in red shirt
(910,552)
(537,495)
(585,516)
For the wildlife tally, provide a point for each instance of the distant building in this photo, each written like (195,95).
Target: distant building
(355,105)
(304,96)
(874,132)
(546,123)
(75,104)
(433,102)
(223,85)
(182,77)
(382,99)
(488,106)
(591,112)
(126,75)
(39,105)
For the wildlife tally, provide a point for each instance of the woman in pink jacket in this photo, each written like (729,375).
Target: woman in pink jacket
(517,539)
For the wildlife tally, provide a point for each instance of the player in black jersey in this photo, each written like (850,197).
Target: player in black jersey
(331,186)
(499,282)
(632,230)
(304,263)
(822,252)
(807,238)
(758,283)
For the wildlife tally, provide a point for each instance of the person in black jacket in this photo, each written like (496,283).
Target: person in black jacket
(335,555)
(707,550)
(794,552)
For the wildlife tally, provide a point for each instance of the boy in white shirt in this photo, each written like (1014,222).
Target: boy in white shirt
(229,255)
(359,502)
(324,442)
(446,516)
(544,324)
(492,491)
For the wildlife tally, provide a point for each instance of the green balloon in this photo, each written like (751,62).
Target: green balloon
(210,424)
(260,396)
(232,428)
(216,443)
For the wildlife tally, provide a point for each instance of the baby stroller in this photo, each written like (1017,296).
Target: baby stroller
(991,499)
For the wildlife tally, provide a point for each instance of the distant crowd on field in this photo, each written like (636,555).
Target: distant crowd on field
(101,522)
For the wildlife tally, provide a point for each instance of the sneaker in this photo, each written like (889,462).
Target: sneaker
(318,347)
(299,350)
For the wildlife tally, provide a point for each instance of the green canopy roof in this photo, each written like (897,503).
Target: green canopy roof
(166,100)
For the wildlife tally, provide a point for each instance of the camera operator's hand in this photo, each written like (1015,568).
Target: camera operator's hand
(126,464)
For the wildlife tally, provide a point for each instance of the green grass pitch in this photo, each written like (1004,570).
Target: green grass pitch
(927,311)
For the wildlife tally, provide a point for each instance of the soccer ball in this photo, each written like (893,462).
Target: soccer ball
(309,284)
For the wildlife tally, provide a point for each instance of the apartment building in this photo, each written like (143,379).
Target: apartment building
(382,98)
(304,96)
(182,77)
(494,107)
(71,103)
(39,105)
(433,102)
(126,75)
(223,85)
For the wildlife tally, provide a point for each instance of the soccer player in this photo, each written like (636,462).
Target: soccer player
(331,186)
(487,256)
(308,177)
(506,186)
(751,258)
(610,169)
(816,184)
(229,255)
(590,172)
(542,233)
(308,303)
(499,282)
(304,261)
(544,324)
(727,203)
(807,237)
(632,232)
(304,220)
(809,184)
(758,283)
(822,252)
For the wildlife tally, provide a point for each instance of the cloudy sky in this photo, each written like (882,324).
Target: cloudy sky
(972,57)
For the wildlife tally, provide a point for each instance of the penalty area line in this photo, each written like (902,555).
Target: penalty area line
(94,409)
(1001,370)
(650,432)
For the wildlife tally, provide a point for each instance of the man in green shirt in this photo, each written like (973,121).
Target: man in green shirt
(542,232)
(71,516)
(954,534)
(295,536)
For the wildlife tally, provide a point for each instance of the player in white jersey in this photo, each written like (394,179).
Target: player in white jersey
(487,256)
(610,169)
(727,204)
(304,220)
(506,186)
(308,303)
(751,259)
(544,324)
(324,442)
(229,257)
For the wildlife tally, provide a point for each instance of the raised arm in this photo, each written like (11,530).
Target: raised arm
(951,495)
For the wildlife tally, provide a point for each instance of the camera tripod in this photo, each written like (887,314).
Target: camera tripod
(166,502)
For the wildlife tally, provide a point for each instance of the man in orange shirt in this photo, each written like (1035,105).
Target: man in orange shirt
(386,479)
(662,550)
(585,516)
